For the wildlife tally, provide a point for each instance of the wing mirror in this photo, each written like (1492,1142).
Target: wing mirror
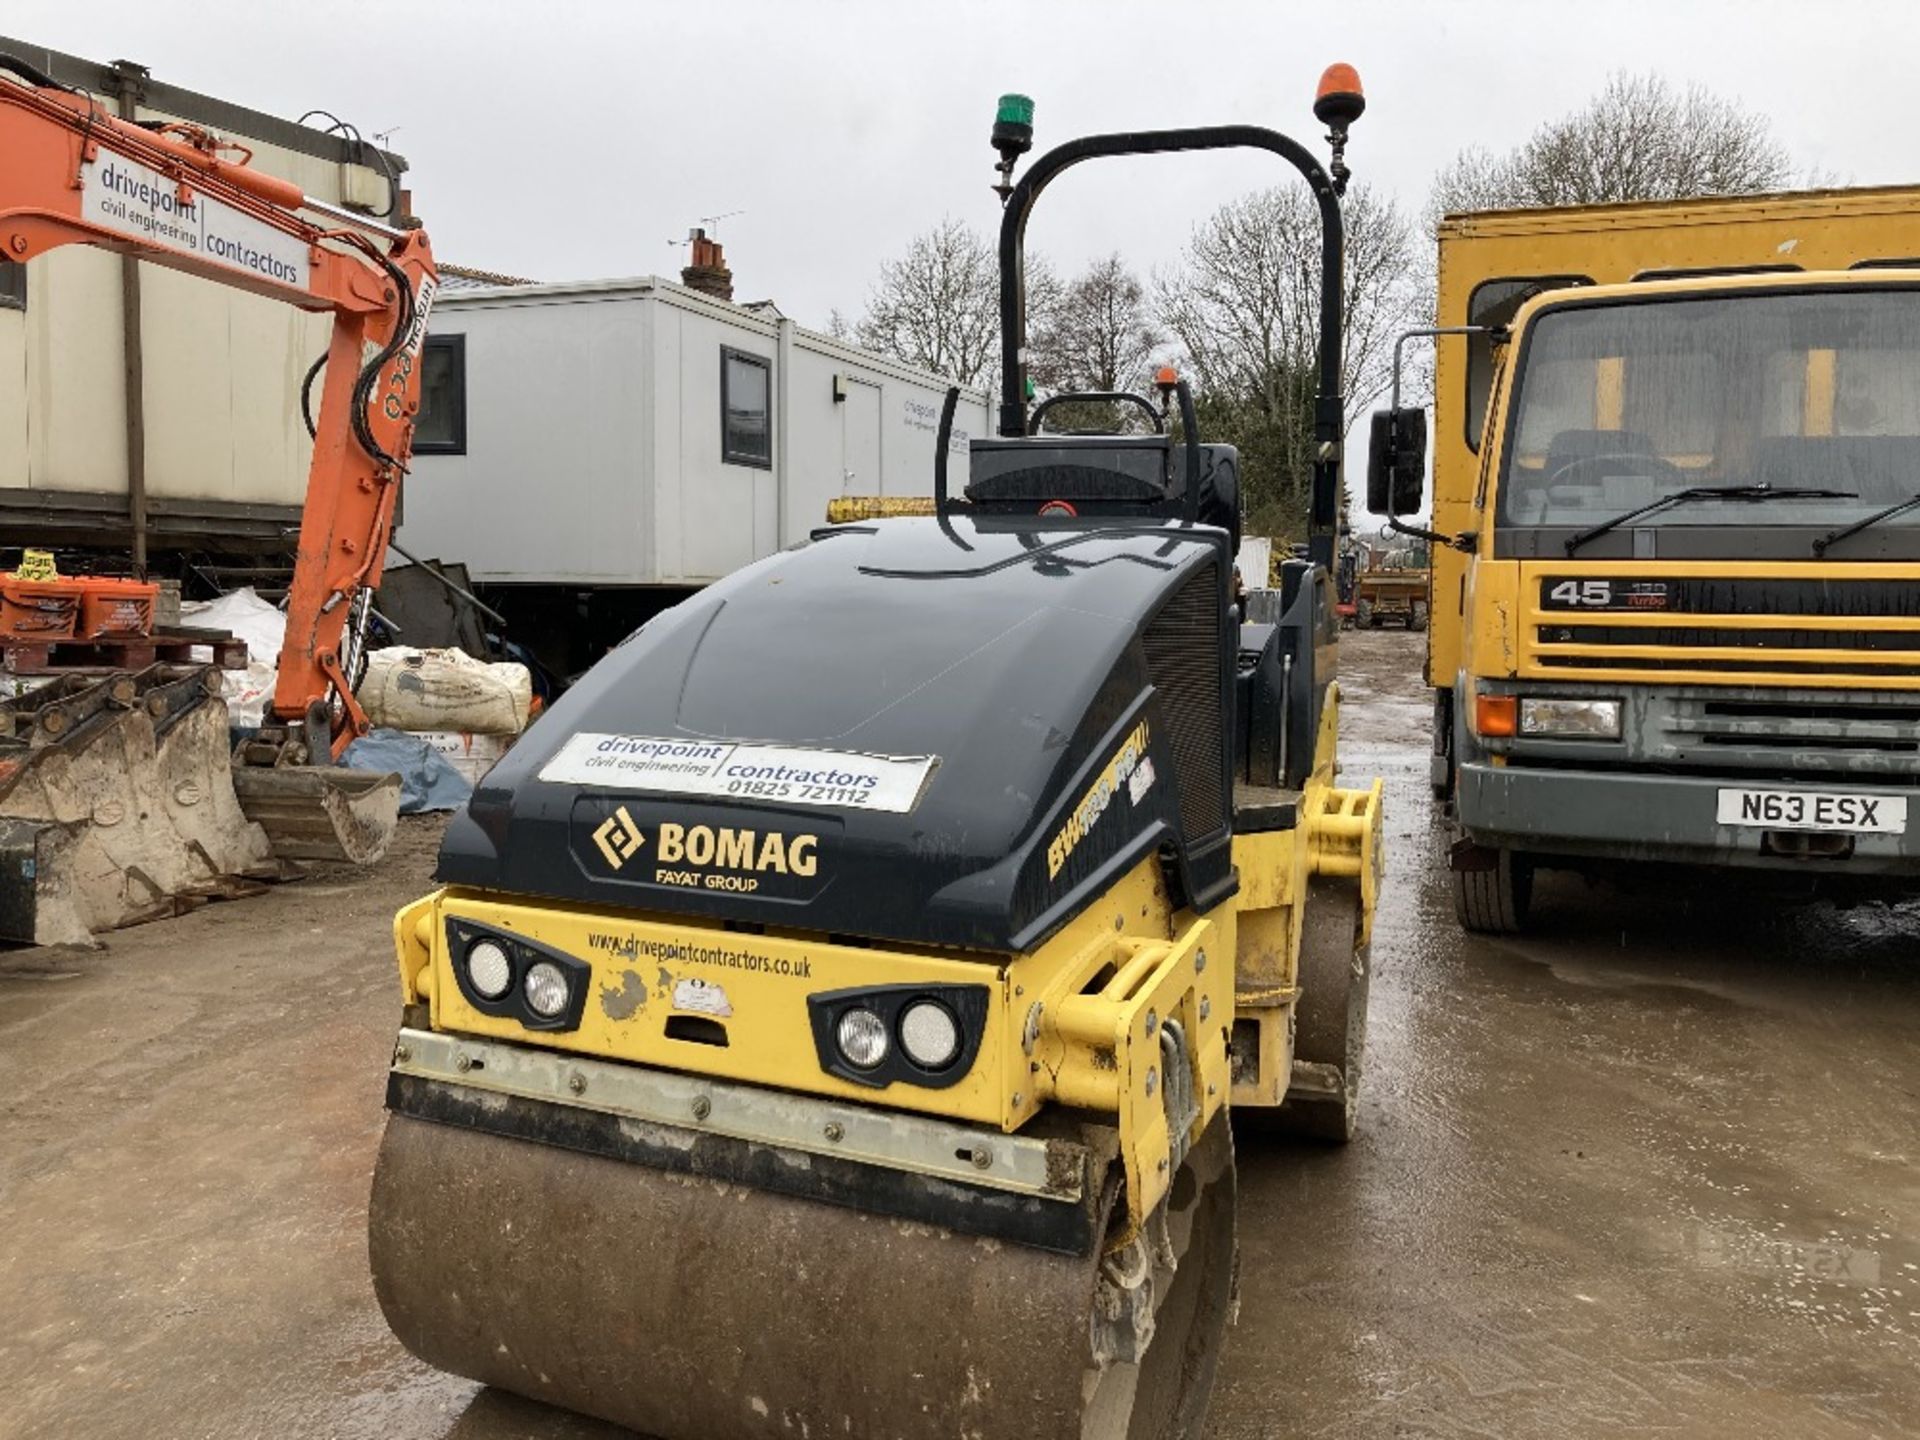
(1397,461)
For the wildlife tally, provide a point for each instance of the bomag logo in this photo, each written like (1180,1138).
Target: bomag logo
(618,838)
(723,858)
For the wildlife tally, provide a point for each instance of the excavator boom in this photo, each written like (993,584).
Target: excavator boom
(177,196)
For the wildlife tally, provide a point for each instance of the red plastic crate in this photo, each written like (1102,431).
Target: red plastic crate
(116,607)
(39,609)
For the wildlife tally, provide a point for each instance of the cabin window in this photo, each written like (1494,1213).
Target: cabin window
(1495,302)
(13,285)
(746,409)
(441,426)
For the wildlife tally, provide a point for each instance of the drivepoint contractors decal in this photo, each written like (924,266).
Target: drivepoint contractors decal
(123,195)
(831,779)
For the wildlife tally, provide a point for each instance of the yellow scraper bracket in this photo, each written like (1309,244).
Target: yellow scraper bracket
(1137,1028)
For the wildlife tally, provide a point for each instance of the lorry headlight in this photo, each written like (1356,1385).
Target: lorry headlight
(863,1038)
(546,989)
(1569,718)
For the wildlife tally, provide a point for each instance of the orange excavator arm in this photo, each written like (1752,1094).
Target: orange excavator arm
(71,173)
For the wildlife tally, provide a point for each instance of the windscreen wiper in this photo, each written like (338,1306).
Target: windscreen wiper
(1834,537)
(1709,492)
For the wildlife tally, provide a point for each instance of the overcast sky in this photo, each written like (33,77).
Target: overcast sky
(576,140)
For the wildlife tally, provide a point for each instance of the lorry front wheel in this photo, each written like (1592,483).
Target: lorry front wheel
(1363,615)
(1495,899)
(1417,619)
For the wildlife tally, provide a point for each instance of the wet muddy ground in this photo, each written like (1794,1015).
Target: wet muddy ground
(1654,1169)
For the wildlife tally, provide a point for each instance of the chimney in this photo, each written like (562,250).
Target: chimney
(707,271)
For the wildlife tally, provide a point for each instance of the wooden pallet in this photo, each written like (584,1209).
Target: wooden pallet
(105,654)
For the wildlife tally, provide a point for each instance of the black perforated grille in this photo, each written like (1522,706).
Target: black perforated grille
(1183,658)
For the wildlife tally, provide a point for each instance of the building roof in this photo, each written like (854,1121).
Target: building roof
(465,277)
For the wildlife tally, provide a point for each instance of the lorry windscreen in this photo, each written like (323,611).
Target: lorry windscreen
(1617,406)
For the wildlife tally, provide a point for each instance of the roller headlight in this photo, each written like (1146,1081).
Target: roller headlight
(489,968)
(926,1034)
(862,1036)
(1570,719)
(929,1034)
(546,989)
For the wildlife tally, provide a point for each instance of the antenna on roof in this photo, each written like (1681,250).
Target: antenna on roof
(709,228)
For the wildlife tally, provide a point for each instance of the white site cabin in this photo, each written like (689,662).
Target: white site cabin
(639,433)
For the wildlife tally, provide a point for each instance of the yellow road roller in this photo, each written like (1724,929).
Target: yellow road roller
(830,1018)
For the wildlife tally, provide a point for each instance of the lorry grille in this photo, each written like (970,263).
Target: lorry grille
(1810,733)
(1701,628)
(1183,645)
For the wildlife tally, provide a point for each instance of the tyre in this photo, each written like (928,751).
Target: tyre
(1440,767)
(1495,900)
(1330,1018)
(1363,617)
(1417,618)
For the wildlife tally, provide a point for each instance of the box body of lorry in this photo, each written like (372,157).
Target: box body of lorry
(1730,677)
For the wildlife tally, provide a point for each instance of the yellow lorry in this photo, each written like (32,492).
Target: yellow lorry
(1676,515)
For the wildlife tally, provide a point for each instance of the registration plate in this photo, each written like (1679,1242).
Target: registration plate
(1815,810)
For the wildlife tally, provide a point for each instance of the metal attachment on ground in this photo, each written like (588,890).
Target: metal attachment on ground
(702,1107)
(577,1083)
(982,1158)
(835,1131)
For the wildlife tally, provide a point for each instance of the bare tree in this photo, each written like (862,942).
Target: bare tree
(1244,308)
(938,306)
(1100,334)
(1638,139)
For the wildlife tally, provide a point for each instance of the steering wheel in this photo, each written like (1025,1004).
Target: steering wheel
(1667,467)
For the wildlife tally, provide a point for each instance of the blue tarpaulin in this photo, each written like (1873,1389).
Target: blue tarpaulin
(428,780)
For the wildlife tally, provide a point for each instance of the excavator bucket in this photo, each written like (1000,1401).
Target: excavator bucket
(116,804)
(321,812)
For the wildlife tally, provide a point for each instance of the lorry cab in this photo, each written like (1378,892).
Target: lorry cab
(1686,626)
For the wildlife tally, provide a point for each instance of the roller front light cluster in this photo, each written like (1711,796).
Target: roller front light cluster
(927,1035)
(507,975)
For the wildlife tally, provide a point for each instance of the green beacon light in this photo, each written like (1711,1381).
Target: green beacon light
(1012,137)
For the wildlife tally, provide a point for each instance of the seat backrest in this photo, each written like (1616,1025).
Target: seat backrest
(1879,468)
